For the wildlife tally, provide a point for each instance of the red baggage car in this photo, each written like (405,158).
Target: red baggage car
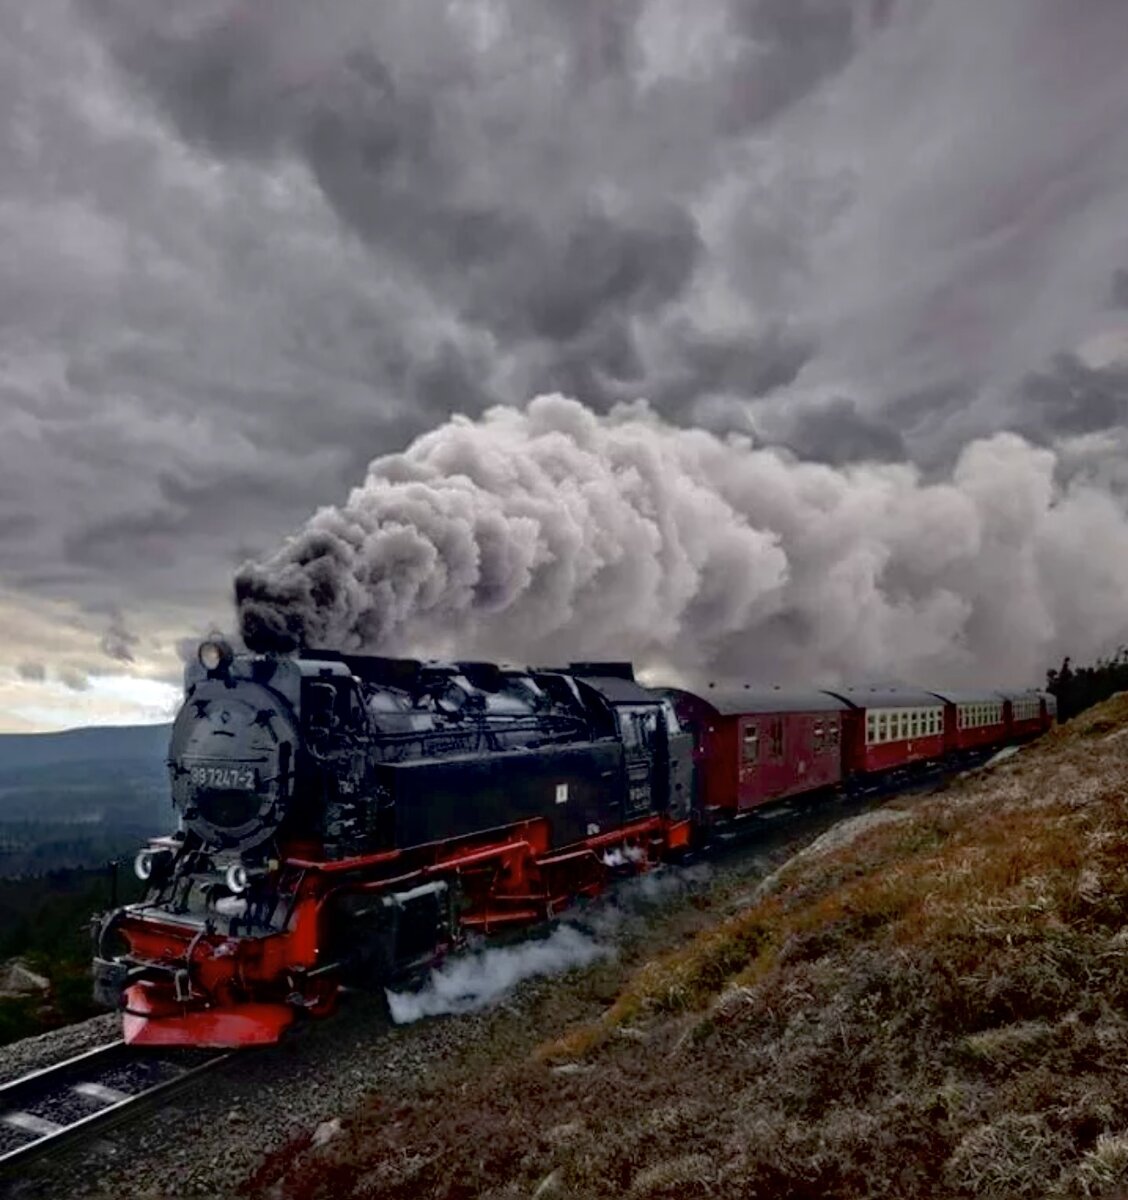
(753,747)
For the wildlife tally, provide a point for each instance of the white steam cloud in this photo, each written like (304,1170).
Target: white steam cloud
(474,981)
(552,532)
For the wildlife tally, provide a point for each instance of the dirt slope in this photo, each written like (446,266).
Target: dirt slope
(927,1004)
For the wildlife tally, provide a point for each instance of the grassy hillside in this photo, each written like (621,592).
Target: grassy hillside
(930,1003)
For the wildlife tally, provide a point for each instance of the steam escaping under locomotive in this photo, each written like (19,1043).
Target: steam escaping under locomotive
(346,819)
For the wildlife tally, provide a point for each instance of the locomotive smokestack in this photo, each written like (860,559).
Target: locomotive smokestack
(270,621)
(285,602)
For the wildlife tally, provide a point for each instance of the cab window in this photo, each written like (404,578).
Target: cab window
(639,728)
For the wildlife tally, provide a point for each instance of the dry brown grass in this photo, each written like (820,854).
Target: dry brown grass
(937,1007)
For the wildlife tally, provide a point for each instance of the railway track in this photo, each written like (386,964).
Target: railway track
(46,1111)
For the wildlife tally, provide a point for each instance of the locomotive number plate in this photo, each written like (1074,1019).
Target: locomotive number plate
(227,777)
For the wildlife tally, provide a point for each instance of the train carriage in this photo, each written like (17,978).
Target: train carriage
(973,721)
(1024,714)
(890,730)
(754,747)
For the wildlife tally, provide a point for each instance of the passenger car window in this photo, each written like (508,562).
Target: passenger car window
(751,744)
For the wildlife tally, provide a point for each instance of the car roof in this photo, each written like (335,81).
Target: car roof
(617,690)
(729,701)
(968,696)
(887,697)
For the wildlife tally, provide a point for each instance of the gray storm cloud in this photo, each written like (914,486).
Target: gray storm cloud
(908,204)
(118,642)
(247,247)
(553,532)
(74,678)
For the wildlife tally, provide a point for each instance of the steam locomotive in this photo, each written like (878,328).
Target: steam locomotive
(346,819)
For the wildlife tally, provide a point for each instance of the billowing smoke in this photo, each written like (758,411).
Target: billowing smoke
(552,532)
(477,980)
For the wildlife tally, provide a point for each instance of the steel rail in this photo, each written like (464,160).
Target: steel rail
(78,1075)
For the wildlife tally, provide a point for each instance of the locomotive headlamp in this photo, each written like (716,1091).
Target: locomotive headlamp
(237,878)
(152,865)
(214,654)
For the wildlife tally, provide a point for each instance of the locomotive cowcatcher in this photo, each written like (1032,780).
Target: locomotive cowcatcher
(346,819)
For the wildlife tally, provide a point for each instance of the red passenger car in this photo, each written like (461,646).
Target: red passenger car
(1025,714)
(973,721)
(753,747)
(887,729)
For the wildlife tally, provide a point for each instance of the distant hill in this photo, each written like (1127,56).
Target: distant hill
(75,798)
(96,744)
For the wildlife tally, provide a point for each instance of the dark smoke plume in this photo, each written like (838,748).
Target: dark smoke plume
(552,533)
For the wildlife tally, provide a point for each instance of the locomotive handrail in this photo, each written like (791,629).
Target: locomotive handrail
(622,834)
(356,863)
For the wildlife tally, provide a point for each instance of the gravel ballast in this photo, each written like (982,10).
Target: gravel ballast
(33,1054)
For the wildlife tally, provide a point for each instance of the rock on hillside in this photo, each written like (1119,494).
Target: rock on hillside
(18,979)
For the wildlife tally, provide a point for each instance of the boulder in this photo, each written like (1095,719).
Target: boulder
(18,979)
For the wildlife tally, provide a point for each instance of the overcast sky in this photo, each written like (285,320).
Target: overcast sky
(246,246)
